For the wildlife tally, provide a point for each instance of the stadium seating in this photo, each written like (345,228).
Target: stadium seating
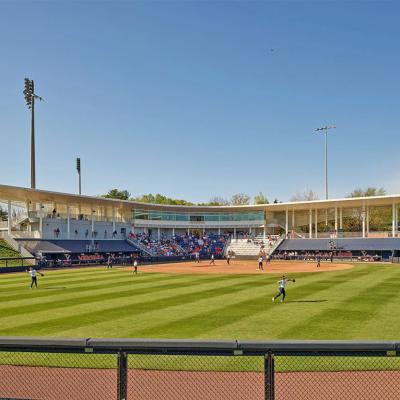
(163,247)
(250,247)
(205,245)
(356,244)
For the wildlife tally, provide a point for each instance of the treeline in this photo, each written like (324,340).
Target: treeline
(236,199)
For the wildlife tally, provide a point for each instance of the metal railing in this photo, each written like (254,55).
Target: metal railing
(122,369)
(16,261)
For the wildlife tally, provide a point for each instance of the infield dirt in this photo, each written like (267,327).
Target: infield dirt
(243,267)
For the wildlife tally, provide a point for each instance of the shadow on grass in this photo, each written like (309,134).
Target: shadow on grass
(54,287)
(305,301)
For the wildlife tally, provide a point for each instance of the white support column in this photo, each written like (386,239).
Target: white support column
(234,233)
(92,222)
(9,216)
(173,231)
(68,224)
(188,231)
(287,223)
(316,223)
(336,220)
(341,218)
(219,231)
(393,220)
(113,220)
(292,227)
(41,220)
(158,233)
(363,218)
(367,221)
(396,213)
(310,223)
(265,231)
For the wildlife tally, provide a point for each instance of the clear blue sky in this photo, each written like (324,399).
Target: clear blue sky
(188,100)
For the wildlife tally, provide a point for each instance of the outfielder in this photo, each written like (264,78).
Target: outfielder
(282,286)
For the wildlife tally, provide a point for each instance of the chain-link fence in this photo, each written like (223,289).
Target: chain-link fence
(46,369)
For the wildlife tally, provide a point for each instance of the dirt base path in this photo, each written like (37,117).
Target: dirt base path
(243,267)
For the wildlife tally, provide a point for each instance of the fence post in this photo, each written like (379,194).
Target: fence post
(269,376)
(122,379)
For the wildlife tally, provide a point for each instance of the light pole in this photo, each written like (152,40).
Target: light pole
(78,168)
(30,96)
(325,130)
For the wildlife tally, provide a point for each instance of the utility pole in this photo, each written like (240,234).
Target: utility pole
(325,130)
(30,96)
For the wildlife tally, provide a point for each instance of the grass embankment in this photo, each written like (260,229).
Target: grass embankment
(8,252)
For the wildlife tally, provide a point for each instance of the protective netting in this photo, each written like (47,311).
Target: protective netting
(61,376)
(182,377)
(337,377)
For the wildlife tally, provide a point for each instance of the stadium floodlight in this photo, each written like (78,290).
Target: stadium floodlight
(30,96)
(325,130)
(78,168)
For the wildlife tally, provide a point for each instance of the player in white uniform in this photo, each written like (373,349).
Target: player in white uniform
(260,264)
(33,273)
(282,286)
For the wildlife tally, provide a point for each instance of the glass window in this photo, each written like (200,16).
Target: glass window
(169,216)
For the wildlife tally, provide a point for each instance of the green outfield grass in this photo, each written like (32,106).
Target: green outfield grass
(361,303)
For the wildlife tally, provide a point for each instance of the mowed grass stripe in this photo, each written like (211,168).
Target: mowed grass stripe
(302,302)
(110,293)
(202,323)
(217,309)
(156,318)
(92,285)
(52,278)
(69,276)
(193,316)
(46,291)
(354,306)
(116,308)
(385,323)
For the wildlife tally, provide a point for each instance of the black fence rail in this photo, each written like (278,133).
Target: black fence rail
(63,369)
(16,264)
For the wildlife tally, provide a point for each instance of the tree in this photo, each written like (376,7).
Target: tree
(307,195)
(216,201)
(380,218)
(161,199)
(260,198)
(368,192)
(3,215)
(117,194)
(240,199)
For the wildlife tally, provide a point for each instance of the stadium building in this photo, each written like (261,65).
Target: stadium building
(45,222)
